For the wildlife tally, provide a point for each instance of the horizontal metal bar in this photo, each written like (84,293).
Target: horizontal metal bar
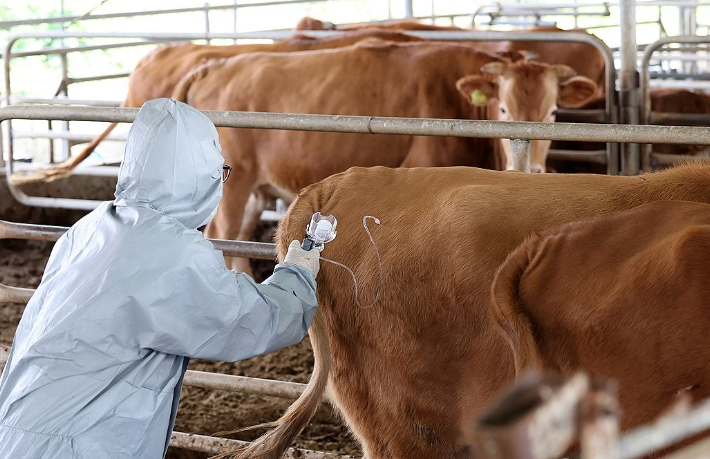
(681,76)
(11,230)
(590,156)
(75,49)
(666,159)
(257,250)
(214,445)
(245,385)
(387,125)
(670,119)
(450,35)
(248,249)
(696,450)
(567,115)
(8,24)
(639,3)
(14,100)
(63,135)
(10,294)
(665,432)
(99,77)
(679,84)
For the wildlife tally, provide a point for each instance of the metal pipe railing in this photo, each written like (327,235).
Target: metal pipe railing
(256,250)
(646,116)
(213,445)
(367,125)
(391,125)
(198,9)
(431,35)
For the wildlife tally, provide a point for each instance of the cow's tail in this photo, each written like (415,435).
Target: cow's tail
(273,444)
(65,168)
(507,308)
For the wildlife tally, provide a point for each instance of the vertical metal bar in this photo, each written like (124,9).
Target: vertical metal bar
(51,144)
(8,123)
(408,9)
(521,154)
(207,23)
(66,152)
(628,79)
(65,92)
(690,29)
(234,18)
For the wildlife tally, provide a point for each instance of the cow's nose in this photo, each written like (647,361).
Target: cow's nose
(537,169)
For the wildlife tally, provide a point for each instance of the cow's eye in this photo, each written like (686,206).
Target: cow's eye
(503,111)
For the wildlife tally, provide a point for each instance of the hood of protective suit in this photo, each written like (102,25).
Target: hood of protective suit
(173,163)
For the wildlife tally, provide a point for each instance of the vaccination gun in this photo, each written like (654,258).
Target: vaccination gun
(320,230)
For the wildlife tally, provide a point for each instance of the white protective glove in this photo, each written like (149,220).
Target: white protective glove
(309,259)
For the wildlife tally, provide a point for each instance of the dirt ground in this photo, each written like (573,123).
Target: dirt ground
(203,411)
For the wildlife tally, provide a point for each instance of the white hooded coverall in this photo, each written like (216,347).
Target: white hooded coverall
(130,293)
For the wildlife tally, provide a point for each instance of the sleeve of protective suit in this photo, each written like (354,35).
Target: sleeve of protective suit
(214,313)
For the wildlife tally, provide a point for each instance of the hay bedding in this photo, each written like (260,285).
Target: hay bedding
(202,411)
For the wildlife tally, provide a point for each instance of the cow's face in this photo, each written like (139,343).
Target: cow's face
(526,91)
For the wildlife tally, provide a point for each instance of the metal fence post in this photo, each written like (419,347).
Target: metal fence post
(408,9)
(628,79)
(521,154)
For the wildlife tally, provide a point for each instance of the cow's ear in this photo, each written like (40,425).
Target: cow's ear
(494,68)
(563,72)
(576,91)
(477,90)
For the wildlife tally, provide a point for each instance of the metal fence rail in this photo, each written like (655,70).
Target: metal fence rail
(367,125)
(648,158)
(609,114)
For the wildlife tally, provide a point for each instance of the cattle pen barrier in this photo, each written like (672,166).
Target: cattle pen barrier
(520,131)
(609,156)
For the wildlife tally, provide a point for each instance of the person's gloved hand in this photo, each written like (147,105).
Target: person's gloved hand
(309,259)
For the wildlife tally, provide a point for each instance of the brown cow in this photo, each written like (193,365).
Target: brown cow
(158,72)
(408,371)
(424,80)
(584,58)
(622,295)
(670,100)
(308,23)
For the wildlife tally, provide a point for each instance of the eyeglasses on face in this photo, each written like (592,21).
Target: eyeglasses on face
(226,170)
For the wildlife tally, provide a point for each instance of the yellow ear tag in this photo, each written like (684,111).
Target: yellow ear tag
(477,97)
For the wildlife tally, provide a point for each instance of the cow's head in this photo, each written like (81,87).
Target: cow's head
(526,91)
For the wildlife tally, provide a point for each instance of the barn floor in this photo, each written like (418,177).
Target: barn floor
(202,411)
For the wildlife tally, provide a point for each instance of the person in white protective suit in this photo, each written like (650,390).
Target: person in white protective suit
(130,293)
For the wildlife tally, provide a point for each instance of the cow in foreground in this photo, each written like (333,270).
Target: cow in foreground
(622,296)
(159,71)
(379,78)
(410,370)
